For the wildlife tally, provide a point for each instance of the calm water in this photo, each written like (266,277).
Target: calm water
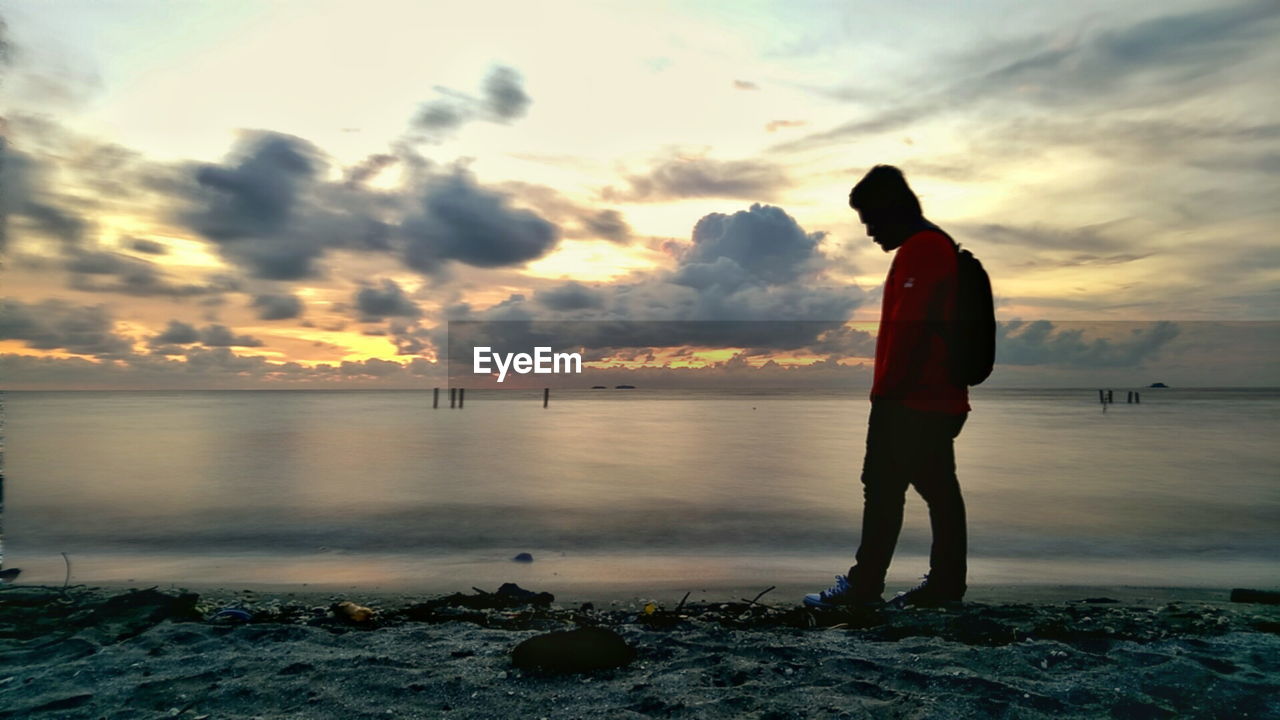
(637,487)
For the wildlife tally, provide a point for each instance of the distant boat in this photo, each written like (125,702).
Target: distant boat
(1158,385)
(624,387)
(599,387)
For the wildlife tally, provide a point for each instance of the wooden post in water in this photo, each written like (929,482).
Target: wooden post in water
(453,398)
(1102,398)
(546,396)
(1110,397)
(435,398)
(1128,398)
(1137,397)
(462,396)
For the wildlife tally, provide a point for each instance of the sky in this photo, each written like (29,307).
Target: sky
(303,194)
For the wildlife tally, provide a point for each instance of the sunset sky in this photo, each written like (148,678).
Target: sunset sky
(302,194)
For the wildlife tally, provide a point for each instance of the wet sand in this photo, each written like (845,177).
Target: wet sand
(1025,652)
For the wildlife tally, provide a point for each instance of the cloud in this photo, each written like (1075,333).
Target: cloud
(222,336)
(133,276)
(504,94)
(575,220)
(386,300)
(358,174)
(150,247)
(441,115)
(750,279)
(764,241)
(177,333)
(776,125)
(212,368)
(502,99)
(214,335)
(1042,343)
(745,85)
(277,307)
(677,178)
(570,296)
(608,225)
(462,221)
(1159,60)
(57,325)
(248,204)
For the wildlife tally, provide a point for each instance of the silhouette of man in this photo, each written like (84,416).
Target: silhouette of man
(916,409)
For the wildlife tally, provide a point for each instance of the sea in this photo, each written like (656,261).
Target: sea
(631,490)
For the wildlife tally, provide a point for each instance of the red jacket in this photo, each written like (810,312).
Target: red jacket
(911,354)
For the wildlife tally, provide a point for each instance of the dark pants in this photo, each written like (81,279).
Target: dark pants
(910,447)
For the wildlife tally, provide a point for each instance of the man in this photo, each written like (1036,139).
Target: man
(916,409)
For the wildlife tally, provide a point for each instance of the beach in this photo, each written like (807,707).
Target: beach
(1009,651)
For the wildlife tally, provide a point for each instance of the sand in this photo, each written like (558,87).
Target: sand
(1012,652)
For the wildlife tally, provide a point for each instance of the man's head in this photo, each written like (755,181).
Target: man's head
(886,206)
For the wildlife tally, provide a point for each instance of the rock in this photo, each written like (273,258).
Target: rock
(1266,597)
(353,612)
(231,615)
(1157,385)
(523,557)
(512,591)
(573,651)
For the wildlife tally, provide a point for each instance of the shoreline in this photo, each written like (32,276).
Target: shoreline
(1058,651)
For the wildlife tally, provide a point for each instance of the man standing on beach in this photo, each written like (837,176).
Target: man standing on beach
(917,410)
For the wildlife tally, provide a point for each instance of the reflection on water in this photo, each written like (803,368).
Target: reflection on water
(1184,482)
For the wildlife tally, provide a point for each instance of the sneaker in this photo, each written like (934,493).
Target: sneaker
(928,594)
(842,594)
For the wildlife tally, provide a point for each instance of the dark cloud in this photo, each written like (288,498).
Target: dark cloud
(763,241)
(462,221)
(177,333)
(248,204)
(133,276)
(1042,343)
(222,336)
(441,115)
(608,225)
(358,174)
(57,325)
(277,307)
(570,296)
(386,300)
(502,100)
(61,223)
(702,177)
(150,247)
(504,94)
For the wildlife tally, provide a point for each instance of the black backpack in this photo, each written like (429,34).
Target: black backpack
(971,339)
(973,336)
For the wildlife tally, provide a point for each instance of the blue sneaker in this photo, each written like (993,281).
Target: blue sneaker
(929,594)
(841,595)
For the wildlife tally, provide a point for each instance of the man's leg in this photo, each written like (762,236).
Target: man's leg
(935,480)
(884,490)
